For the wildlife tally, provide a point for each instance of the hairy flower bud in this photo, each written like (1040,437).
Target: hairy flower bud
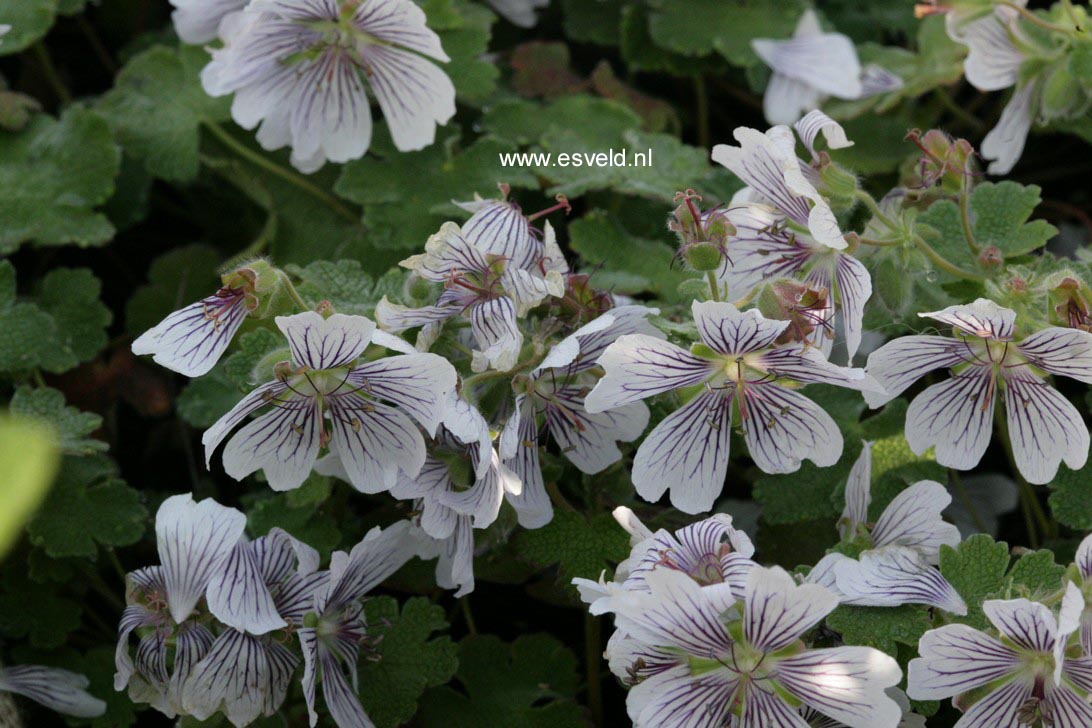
(946,162)
(1070,301)
(796,302)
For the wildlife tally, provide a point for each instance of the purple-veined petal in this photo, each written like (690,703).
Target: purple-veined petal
(785,99)
(192,642)
(956,416)
(732,332)
(628,520)
(823,573)
(709,535)
(848,684)
(309,648)
(1069,621)
(341,699)
(999,708)
(710,551)
(416,96)
(466,423)
(565,353)
(375,442)
(191,340)
(419,384)
(858,494)
(1084,558)
(482,501)
(821,315)
(1078,670)
(527,289)
(1044,427)
(519,450)
(56,689)
(455,563)
(763,709)
(328,343)
(296,595)
(587,440)
(895,575)
(815,123)
(279,555)
(244,676)
(249,404)
(195,539)
(196,21)
(687,453)
(675,698)
(1067,709)
(956,658)
(854,290)
(806,363)
(876,80)
(133,616)
(284,443)
(1005,142)
(1029,624)
(500,228)
(675,611)
(239,597)
(783,427)
(983,318)
(630,319)
(396,317)
(1067,352)
(401,23)
(777,610)
(392,342)
(639,366)
(447,253)
(898,364)
(824,61)
(378,555)
(759,250)
(913,519)
(629,657)
(497,334)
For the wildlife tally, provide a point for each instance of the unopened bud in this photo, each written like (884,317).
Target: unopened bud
(991,257)
(804,307)
(838,185)
(703,256)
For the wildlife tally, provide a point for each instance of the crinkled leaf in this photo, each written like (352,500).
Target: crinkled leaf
(70,427)
(346,285)
(976,568)
(33,611)
(1071,497)
(884,628)
(1037,573)
(311,523)
(256,352)
(71,297)
(580,546)
(700,27)
(29,21)
(207,398)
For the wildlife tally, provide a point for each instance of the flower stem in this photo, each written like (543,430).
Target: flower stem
(965,217)
(272,167)
(468,616)
(714,289)
(293,293)
(943,263)
(956,110)
(1036,20)
(592,658)
(878,243)
(41,53)
(874,208)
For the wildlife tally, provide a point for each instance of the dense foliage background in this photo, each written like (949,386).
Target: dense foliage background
(124,189)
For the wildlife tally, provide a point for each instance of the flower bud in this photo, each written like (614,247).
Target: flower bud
(703,256)
(788,300)
(1064,95)
(991,257)
(837,184)
(1070,302)
(945,162)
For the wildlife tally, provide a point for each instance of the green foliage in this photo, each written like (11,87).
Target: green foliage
(581,546)
(1071,498)
(54,174)
(409,658)
(29,21)
(529,683)
(725,27)
(311,521)
(69,427)
(884,628)
(346,285)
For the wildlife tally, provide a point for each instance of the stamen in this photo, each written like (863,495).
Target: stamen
(562,204)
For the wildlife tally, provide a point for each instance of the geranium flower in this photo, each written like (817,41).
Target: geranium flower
(299,68)
(806,69)
(488,288)
(956,415)
(702,659)
(375,440)
(191,340)
(261,593)
(197,21)
(776,176)
(195,540)
(555,391)
(1020,679)
(519,12)
(993,63)
(1083,562)
(335,626)
(910,719)
(56,689)
(736,362)
(903,546)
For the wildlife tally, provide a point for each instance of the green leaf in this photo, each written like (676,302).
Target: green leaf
(1071,497)
(884,628)
(622,262)
(530,684)
(33,611)
(466,41)
(28,461)
(54,173)
(71,297)
(207,398)
(408,659)
(700,27)
(311,523)
(255,354)
(29,21)
(597,22)
(346,285)
(175,279)
(89,505)
(1037,572)
(156,108)
(976,568)
(70,427)
(580,546)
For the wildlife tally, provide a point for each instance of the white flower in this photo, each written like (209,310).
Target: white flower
(904,546)
(555,391)
(196,21)
(331,647)
(1083,562)
(56,689)
(993,63)
(299,68)
(519,12)
(815,719)
(191,340)
(374,440)
(491,279)
(700,658)
(1020,679)
(194,540)
(736,363)
(956,415)
(4,29)
(769,165)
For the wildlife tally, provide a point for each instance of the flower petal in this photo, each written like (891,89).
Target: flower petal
(378,555)
(399,22)
(1005,142)
(898,364)
(762,709)
(999,708)
(587,440)
(993,62)
(327,343)
(1067,352)
(519,450)
(783,427)
(854,290)
(395,317)
(777,610)
(1067,708)
(500,228)
(858,494)
(639,366)
(1030,625)
(497,334)
(417,383)
(195,539)
(815,123)
(56,689)
(825,61)
(632,319)
(341,699)
(482,501)
(328,115)
(252,402)
(455,566)
(983,318)
(956,416)
(785,99)
(759,250)
(895,575)
(729,331)
(284,443)
(687,454)
(806,363)
(1044,427)
(414,93)
(466,423)
(375,442)
(239,597)
(191,340)
(956,658)
(913,519)
(848,684)
(678,699)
